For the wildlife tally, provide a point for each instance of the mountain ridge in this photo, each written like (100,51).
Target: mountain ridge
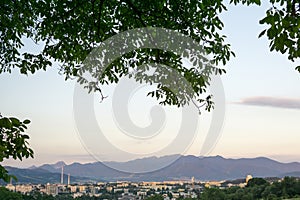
(41,176)
(183,168)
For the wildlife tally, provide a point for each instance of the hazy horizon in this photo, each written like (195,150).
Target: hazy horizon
(25,165)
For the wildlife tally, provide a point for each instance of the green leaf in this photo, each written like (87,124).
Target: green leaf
(262,33)
(15,121)
(26,121)
(5,123)
(25,136)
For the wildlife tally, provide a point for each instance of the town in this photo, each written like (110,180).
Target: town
(248,188)
(127,190)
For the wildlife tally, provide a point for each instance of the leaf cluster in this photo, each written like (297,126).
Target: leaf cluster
(13,142)
(283,32)
(69,30)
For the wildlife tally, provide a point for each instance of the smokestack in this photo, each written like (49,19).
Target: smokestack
(62,175)
(68,179)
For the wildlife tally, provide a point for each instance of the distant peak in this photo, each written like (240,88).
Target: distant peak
(217,156)
(58,164)
(32,167)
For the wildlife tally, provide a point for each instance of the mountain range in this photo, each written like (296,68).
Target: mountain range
(41,176)
(185,167)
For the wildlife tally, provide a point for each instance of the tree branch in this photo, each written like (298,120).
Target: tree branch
(99,17)
(136,11)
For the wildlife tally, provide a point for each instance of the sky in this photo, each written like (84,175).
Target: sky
(262,108)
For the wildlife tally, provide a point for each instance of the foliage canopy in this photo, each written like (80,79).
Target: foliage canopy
(68,31)
(13,143)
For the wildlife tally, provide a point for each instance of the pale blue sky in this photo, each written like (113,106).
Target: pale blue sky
(249,131)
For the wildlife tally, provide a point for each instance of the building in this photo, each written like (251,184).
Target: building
(24,188)
(248,177)
(10,187)
(51,189)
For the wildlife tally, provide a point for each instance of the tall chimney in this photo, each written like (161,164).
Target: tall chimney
(68,179)
(62,175)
